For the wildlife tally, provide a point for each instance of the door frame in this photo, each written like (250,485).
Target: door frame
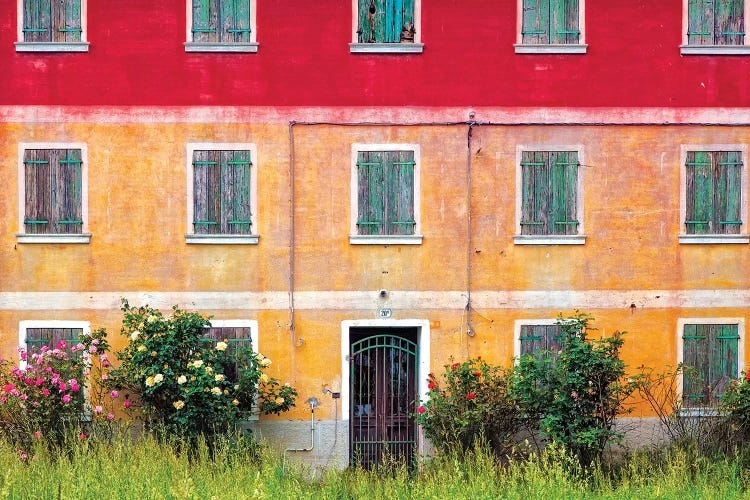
(423,353)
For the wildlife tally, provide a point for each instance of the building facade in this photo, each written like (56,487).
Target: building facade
(371,188)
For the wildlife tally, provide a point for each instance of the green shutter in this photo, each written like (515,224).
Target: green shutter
(695,360)
(728,192)
(67,212)
(205,21)
(371,192)
(700,22)
(239,30)
(534,192)
(399,192)
(724,358)
(535,22)
(729,22)
(564,180)
(68,17)
(37,21)
(699,192)
(563,21)
(206,192)
(36,338)
(38,190)
(236,216)
(383,21)
(540,341)
(710,355)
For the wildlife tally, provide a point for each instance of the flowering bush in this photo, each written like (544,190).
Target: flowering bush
(187,384)
(469,405)
(735,408)
(45,398)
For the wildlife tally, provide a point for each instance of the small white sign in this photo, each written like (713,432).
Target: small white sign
(385,313)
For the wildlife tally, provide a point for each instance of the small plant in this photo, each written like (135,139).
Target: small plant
(575,393)
(188,385)
(469,406)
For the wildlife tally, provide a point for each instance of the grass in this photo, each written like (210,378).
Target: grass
(145,469)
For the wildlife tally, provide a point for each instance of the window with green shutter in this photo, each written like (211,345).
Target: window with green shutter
(221,21)
(713,196)
(710,362)
(540,340)
(716,22)
(56,21)
(37,338)
(549,183)
(53,191)
(386,21)
(221,192)
(550,22)
(238,340)
(385,193)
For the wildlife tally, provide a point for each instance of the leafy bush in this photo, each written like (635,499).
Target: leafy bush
(188,385)
(575,393)
(470,405)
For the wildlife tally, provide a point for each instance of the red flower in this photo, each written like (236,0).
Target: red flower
(421,409)
(478,373)
(9,388)
(454,366)
(471,396)
(748,375)
(82,436)
(479,357)
(430,385)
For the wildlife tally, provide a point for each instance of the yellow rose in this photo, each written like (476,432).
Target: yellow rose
(198,363)
(216,391)
(221,346)
(179,404)
(265,362)
(235,402)
(279,401)
(264,378)
(149,381)
(141,348)
(218,377)
(158,377)
(181,379)
(209,369)
(134,335)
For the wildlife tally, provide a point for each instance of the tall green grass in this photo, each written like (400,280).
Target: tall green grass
(236,469)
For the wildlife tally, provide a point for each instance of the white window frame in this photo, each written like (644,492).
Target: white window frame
(742,237)
(553,48)
(681,322)
(687,49)
(85,235)
(415,47)
(550,239)
(245,47)
(517,324)
(222,239)
(25,325)
(384,239)
(23,46)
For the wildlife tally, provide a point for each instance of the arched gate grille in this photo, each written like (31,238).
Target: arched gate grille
(383,388)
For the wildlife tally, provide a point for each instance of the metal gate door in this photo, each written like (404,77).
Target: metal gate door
(383,388)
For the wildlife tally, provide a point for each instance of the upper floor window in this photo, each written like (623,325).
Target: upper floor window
(550,27)
(386,26)
(549,206)
(712,205)
(221,193)
(714,27)
(52,26)
(221,26)
(53,193)
(385,192)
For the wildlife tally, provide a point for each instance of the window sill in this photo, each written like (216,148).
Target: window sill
(52,46)
(221,47)
(702,239)
(54,238)
(700,411)
(362,239)
(544,239)
(386,48)
(222,239)
(573,48)
(715,50)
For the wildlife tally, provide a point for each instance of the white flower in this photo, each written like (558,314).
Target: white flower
(216,391)
(279,401)
(141,348)
(198,363)
(158,377)
(181,379)
(209,369)
(149,381)
(218,377)
(259,357)
(265,362)
(221,346)
(151,319)
(179,404)
(235,402)
(134,335)
(264,378)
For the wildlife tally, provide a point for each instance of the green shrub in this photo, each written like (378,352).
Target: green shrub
(470,405)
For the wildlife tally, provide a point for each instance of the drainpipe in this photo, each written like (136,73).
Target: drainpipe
(469,327)
(313,402)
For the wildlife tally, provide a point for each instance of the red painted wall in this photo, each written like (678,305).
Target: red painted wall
(137,58)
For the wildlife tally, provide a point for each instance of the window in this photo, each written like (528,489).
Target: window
(549,209)
(712,205)
(52,26)
(237,334)
(221,26)
(550,27)
(221,194)
(386,26)
(385,186)
(710,352)
(53,193)
(714,27)
(33,335)
(535,337)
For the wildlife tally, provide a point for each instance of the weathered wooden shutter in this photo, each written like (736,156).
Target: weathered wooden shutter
(563,189)
(699,192)
(370,192)
(235,21)
(535,22)
(535,194)
(36,338)
(563,21)
(38,191)
(206,192)
(700,22)
(235,187)
(729,22)
(66,24)
(399,180)
(205,21)
(728,192)
(710,355)
(538,339)
(67,200)
(549,192)
(53,191)
(384,21)
(37,21)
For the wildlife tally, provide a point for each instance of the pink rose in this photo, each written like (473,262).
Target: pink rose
(127,403)
(45,392)
(66,398)
(421,409)
(110,417)
(9,388)
(98,409)
(114,394)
